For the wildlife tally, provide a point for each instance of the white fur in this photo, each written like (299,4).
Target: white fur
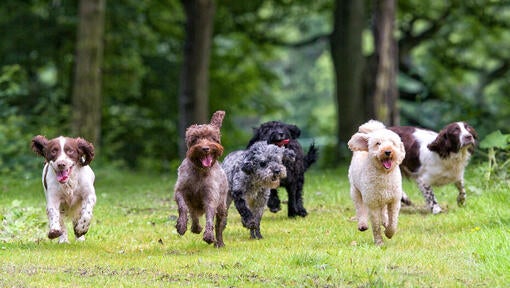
(375,190)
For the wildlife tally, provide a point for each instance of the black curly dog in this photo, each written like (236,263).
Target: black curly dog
(282,134)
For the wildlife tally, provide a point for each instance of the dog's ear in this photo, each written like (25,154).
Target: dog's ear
(295,132)
(248,167)
(217,118)
(86,150)
(402,153)
(39,144)
(358,142)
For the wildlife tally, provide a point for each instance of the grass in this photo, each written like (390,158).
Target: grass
(133,243)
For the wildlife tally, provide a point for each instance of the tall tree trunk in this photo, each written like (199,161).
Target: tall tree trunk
(385,92)
(348,62)
(86,100)
(194,81)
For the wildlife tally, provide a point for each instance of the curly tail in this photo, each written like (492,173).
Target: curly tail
(311,157)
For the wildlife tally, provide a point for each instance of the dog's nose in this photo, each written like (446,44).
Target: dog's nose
(468,138)
(61,166)
(277,171)
(387,152)
(205,149)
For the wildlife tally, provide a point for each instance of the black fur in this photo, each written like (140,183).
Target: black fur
(275,132)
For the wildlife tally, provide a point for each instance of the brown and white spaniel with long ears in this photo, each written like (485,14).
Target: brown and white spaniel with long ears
(435,159)
(68,183)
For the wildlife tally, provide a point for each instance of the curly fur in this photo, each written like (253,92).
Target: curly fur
(202,186)
(251,174)
(376,182)
(286,135)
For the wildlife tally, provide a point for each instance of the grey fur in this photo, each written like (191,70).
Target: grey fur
(251,174)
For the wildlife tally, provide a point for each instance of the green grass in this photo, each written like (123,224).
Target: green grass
(133,243)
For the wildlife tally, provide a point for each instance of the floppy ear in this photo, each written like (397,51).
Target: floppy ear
(295,132)
(86,151)
(39,144)
(358,142)
(402,153)
(248,167)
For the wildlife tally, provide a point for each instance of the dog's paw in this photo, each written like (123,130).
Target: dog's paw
(302,212)
(255,234)
(461,199)
(181,228)
(249,223)
(196,228)
(209,237)
(54,233)
(362,227)
(436,209)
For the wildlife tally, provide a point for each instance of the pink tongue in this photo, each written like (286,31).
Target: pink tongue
(283,142)
(207,161)
(386,163)
(62,175)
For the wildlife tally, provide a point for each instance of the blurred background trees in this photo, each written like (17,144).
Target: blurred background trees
(316,64)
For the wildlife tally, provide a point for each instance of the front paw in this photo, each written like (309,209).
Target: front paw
(181,226)
(461,199)
(249,223)
(54,233)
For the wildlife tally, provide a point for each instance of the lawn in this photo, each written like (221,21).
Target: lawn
(133,243)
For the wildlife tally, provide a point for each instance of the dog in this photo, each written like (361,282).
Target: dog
(68,183)
(375,179)
(251,174)
(436,159)
(285,135)
(202,186)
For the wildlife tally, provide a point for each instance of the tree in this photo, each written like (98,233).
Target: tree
(385,93)
(348,62)
(86,100)
(194,81)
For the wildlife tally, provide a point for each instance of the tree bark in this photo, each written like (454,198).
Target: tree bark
(86,98)
(194,81)
(346,51)
(385,92)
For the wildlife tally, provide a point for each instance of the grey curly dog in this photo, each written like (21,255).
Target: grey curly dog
(251,173)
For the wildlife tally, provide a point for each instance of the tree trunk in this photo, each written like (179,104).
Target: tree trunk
(194,81)
(86,100)
(385,92)
(347,57)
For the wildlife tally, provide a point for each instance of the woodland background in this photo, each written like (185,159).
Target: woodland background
(131,75)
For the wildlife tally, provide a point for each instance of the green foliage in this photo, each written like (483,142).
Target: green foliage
(498,158)
(20,223)
(133,242)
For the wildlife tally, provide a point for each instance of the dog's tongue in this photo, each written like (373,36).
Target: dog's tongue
(62,175)
(283,142)
(386,163)
(207,161)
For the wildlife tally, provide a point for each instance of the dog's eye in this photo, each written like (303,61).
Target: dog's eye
(54,151)
(378,144)
(263,164)
(69,151)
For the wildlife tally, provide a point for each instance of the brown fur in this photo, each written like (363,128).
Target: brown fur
(202,185)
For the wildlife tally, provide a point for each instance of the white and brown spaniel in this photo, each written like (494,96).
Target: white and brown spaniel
(435,159)
(68,183)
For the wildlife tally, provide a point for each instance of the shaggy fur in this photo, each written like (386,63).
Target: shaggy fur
(202,186)
(435,159)
(285,135)
(251,174)
(376,182)
(68,183)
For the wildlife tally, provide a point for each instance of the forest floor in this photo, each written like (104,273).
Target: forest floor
(132,241)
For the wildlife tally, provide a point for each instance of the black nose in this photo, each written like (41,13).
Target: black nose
(277,171)
(387,153)
(205,149)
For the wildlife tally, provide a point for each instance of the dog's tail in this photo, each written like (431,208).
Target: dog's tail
(311,157)
(371,126)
